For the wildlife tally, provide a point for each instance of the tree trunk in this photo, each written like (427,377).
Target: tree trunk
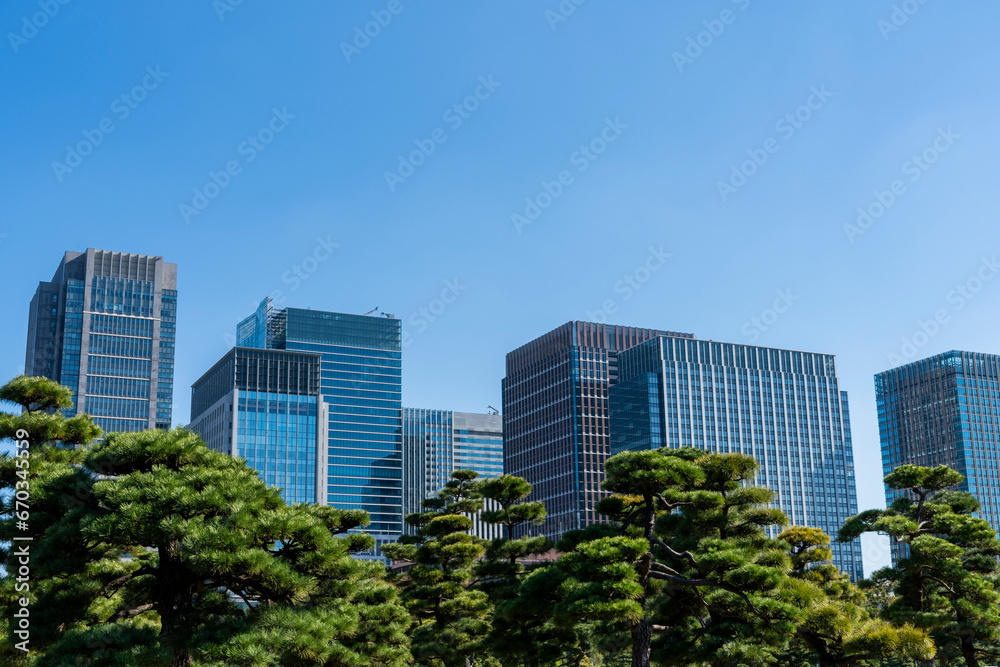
(969,650)
(172,600)
(641,638)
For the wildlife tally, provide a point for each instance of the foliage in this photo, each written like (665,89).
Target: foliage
(691,562)
(837,628)
(449,616)
(151,549)
(946,582)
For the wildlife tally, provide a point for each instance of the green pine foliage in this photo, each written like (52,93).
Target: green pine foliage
(946,584)
(150,549)
(450,617)
(838,628)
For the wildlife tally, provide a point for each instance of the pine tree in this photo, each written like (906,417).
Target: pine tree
(946,583)
(159,551)
(693,562)
(837,629)
(450,617)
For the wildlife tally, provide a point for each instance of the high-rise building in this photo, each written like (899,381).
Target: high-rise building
(266,407)
(785,408)
(555,416)
(105,327)
(438,442)
(360,381)
(944,410)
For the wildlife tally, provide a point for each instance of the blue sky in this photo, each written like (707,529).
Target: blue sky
(728,144)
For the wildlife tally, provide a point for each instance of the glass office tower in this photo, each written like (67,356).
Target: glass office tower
(361,385)
(265,406)
(944,410)
(784,408)
(555,417)
(105,326)
(437,442)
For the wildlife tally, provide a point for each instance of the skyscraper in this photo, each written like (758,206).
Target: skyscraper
(555,416)
(438,442)
(784,408)
(360,381)
(944,410)
(105,327)
(266,406)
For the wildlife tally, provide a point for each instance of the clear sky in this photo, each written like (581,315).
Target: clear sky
(682,166)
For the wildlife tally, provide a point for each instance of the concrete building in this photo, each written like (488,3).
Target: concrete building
(555,417)
(105,326)
(266,407)
(438,442)
(944,410)
(360,382)
(783,407)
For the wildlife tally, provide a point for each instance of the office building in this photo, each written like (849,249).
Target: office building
(784,408)
(266,407)
(944,410)
(438,442)
(555,417)
(105,327)
(360,381)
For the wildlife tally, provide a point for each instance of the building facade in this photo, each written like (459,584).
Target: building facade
(105,326)
(555,408)
(944,410)
(266,407)
(785,408)
(361,385)
(438,442)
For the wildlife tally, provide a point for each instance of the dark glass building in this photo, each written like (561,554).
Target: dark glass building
(944,410)
(438,442)
(784,408)
(555,416)
(361,385)
(265,406)
(105,326)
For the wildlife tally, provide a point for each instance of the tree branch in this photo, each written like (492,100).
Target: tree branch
(129,613)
